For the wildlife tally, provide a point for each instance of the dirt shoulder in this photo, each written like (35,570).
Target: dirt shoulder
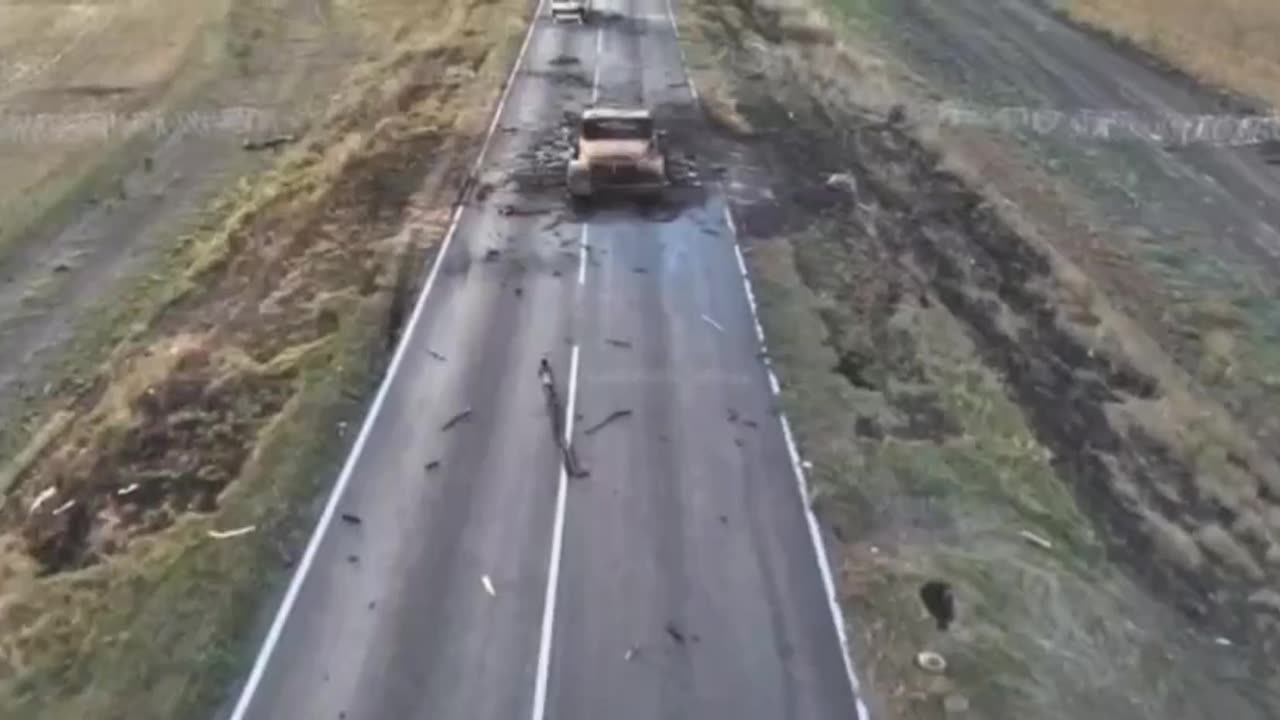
(987,380)
(162,494)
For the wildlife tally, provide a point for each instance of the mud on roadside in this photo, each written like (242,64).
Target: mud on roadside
(953,396)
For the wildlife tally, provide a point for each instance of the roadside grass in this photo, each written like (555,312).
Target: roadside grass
(224,376)
(1231,44)
(1213,310)
(917,344)
(158,631)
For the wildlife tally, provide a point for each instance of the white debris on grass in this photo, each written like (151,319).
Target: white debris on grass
(45,496)
(225,534)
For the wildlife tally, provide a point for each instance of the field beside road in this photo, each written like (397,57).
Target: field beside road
(182,365)
(1230,44)
(1041,369)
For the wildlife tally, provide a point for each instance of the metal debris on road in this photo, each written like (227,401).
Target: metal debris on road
(713,323)
(488,585)
(675,634)
(128,489)
(437,356)
(631,653)
(491,254)
(225,534)
(930,661)
(64,507)
(433,465)
(512,211)
(626,344)
(845,181)
(615,415)
(268,143)
(45,496)
(1035,539)
(460,417)
(544,374)
(351,518)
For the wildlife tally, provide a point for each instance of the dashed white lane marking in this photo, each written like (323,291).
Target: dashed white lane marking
(595,79)
(557,543)
(583,250)
(344,477)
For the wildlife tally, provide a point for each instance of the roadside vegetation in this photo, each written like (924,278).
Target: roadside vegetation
(988,400)
(159,487)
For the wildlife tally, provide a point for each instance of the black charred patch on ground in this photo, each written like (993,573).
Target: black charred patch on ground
(923,236)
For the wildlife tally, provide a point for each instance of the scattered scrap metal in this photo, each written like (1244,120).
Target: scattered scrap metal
(225,534)
(554,407)
(615,415)
(930,661)
(268,143)
(460,417)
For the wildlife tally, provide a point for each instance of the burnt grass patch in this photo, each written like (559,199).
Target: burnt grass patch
(914,234)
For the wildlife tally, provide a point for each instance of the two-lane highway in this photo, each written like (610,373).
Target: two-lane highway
(677,580)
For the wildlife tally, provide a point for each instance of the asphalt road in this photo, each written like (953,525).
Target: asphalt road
(678,579)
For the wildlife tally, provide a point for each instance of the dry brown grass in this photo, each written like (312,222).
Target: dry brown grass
(1231,43)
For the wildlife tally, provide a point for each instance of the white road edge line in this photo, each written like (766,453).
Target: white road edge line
(543,673)
(684,61)
(348,467)
(802,482)
(583,249)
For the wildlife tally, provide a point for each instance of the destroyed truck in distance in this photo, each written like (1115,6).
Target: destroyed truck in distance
(618,150)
